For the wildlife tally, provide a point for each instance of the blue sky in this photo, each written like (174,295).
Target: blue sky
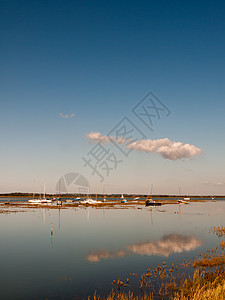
(97,60)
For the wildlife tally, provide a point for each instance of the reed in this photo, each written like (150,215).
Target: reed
(209,286)
(124,296)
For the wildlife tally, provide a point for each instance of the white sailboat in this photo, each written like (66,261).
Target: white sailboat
(90,201)
(123,200)
(182,201)
(34,201)
(104,198)
(59,201)
(40,200)
(187,198)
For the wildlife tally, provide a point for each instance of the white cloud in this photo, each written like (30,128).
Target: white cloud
(165,147)
(206,182)
(98,138)
(216,184)
(220,184)
(66,116)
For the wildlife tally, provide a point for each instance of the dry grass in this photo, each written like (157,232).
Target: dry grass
(220,231)
(123,296)
(208,286)
(210,261)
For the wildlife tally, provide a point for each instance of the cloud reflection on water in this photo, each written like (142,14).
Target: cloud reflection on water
(171,243)
(104,254)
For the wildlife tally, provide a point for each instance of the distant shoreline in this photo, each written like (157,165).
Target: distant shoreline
(69,195)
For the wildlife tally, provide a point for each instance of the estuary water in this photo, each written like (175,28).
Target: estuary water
(71,253)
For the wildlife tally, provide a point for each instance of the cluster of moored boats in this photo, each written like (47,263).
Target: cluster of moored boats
(58,201)
(89,201)
(149,201)
(76,200)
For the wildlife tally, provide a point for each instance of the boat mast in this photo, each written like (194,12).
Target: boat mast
(149,192)
(44,190)
(33,188)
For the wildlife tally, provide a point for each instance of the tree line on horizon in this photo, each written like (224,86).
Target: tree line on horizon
(22,194)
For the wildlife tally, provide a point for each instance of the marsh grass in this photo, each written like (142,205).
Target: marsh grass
(206,286)
(123,296)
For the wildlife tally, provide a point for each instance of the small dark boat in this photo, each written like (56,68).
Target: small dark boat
(151,202)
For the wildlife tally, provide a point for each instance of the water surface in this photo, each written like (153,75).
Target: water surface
(90,247)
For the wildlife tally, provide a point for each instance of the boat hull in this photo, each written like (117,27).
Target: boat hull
(149,203)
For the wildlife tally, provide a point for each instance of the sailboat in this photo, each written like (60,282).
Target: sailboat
(180,200)
(104,198)
(34,201)
(187,198)
(150,202)
(59,201)
(40,200)
(123,200)
(90,201)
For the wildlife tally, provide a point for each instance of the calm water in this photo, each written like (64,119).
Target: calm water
(90,247)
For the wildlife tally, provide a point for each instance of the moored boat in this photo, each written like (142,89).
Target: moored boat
(90,201)
(123,200)
(40,200)
(182,201)
(150,202)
